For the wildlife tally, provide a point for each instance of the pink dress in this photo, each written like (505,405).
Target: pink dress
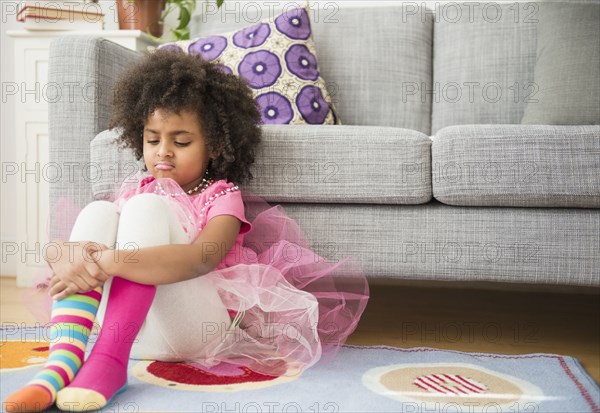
(289,306)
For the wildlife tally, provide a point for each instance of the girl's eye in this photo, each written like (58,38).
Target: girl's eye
(181,144)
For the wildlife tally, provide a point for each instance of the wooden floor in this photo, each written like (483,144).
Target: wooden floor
(488,318)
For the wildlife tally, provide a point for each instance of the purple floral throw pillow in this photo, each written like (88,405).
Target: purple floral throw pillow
(277,59)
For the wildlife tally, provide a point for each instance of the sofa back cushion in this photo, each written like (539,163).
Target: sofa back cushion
(483,62)
(308,164)
(567,72)
(374,59)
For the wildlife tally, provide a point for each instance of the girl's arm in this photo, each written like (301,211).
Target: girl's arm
(166,264)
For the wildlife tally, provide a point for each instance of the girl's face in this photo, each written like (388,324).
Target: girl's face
(174,147)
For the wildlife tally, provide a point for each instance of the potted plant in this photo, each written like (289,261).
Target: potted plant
(149,15)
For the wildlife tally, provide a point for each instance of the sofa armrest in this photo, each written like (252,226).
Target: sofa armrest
(83,70)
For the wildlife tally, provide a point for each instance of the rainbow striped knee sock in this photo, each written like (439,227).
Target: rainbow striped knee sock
(71,322)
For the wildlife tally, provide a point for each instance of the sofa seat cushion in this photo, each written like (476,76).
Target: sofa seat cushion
(311,164)
(517,165)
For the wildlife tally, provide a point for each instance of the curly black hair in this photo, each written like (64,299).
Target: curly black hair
(174,81)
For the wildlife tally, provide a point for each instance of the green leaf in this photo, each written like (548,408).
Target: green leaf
(220,3)
(184,18)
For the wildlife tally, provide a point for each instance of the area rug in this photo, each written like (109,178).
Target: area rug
(360,379)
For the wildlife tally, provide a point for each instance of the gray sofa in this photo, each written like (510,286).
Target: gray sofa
(444,168)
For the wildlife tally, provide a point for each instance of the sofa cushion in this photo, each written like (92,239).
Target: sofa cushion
(312,164)
(278,61)
(343,164)
(483,64)
(567,72)
(376,60)
(517,165)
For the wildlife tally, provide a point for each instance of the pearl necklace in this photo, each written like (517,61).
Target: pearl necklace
(205,184)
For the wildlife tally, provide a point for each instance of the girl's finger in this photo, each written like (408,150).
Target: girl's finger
(62,295)
(79,283)
(54,280)
(96,273)
(56,288)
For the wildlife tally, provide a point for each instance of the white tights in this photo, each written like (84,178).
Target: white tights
(186,318)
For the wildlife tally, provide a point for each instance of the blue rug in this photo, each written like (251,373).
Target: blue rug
(360,379)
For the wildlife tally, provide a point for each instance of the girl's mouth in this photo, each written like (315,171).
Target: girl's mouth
(164,167)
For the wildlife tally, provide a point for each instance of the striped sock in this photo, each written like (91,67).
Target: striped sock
(71,323)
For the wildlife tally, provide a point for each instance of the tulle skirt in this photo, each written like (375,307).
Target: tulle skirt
(294,306)
(290,308)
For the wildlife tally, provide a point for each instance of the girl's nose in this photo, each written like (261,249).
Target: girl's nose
(164,150)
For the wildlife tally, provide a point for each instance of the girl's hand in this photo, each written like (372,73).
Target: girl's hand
(75,267)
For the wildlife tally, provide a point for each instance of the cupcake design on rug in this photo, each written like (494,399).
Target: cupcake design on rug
(224,377)
(449,384)
(461,385)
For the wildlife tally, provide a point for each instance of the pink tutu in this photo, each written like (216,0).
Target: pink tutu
(290,307)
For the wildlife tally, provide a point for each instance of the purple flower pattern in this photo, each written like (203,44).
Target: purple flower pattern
(275,108)
(312,105)
(261,69)
(283,42)
(209,48)
(294,24)
(171,47)
(252,36)
(301,62)
(224,68)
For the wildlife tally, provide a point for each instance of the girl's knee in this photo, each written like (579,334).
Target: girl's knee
(143,203)
(99,209)
(98,222)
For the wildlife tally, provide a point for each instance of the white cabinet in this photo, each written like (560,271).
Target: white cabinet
(30,171)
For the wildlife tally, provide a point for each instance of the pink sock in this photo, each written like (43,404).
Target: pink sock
(104,372)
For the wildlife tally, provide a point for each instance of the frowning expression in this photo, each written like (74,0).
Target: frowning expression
(174,147)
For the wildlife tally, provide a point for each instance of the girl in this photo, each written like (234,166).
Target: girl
(214,275)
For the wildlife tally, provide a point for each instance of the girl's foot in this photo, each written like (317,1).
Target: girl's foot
(31,398)
(101,377)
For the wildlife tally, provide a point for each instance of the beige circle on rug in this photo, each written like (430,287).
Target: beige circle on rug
(461,385)
(194,377)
